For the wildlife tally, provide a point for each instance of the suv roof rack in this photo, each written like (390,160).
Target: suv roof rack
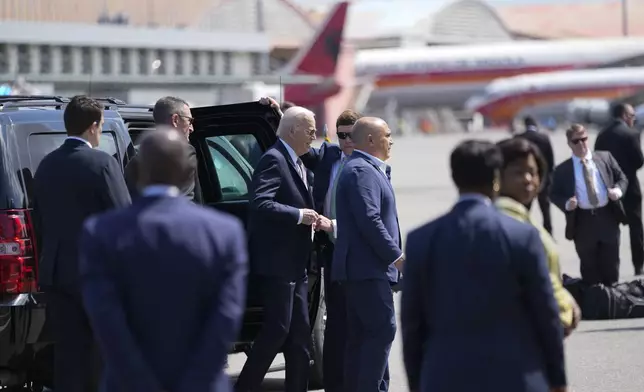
(57,101)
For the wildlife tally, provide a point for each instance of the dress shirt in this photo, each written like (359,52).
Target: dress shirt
(161,190)
(580,185)
(335,171)
(80,139)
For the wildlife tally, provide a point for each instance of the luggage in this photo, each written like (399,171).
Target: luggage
(599,302)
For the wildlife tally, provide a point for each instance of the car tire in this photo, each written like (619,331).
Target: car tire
(316,376)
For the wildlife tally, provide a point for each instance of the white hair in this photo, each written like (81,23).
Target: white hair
(291,116)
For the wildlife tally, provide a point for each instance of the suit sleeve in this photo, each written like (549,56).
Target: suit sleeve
(224,320)
(312,158)
(557,196)
(363,194)
(549,156)
(414,330)
(131,175)
(114,191)
(267,179)
(618,175)
(534,276)
(107,317)
(634,146)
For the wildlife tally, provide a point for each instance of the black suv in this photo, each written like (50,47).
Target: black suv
(228,140)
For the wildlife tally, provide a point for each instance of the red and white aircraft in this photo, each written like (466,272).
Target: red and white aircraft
(504,98)
(449,75)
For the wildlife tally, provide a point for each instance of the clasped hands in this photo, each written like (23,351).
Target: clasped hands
(317,221)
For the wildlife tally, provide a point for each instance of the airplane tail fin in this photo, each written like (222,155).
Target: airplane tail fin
(320,56)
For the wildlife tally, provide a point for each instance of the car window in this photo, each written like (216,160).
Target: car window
(41,144)
(232,156)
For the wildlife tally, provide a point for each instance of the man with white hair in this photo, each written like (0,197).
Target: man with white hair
(281,221)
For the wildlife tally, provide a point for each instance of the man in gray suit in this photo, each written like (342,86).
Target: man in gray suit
(175,113)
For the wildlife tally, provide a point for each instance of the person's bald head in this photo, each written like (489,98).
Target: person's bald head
(297,129)
(373,136)
(165,158)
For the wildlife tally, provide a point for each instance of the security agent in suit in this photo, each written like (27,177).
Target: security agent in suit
(588,188)
(280,228)
(327,162)
(71,183)
(498,329)
(174,113)
(199,253)
(623,142)
(367,255)
(542,141)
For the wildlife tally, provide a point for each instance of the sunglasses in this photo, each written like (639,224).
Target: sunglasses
(191,120)
(344,135)
(581,139)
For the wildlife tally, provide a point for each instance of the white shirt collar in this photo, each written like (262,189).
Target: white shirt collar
(291,152)
(80,139)
(474,197)
(588,157)
(381,164)
(532,128)
(161,190)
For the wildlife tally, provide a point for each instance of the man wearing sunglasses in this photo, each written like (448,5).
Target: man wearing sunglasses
(623,142)
(588,188)
(175,113)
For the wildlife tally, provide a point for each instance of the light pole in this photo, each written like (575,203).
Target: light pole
(625,17)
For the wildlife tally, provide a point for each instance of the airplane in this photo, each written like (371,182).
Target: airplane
(504,98)
(449,75)
(597,112)
(317,59)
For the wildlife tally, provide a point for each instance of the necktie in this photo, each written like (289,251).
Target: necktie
(302,172)
(388,172)
(333,190)
(590,187)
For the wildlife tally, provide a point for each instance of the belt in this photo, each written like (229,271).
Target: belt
(593,211)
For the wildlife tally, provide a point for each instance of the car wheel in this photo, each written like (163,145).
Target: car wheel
(316,376)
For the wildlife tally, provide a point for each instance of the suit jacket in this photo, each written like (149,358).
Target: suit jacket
(542,141)
(164,285)
(70,184)
(498,325)
(321,161)
(192,188)
(279,246)
(368,240)
(625,146)
(563,187)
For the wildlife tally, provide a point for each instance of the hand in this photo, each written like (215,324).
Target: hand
(270,101)
(571,204)
(613,194)
(400,263)
(325,224)
(309,217)
(576,317)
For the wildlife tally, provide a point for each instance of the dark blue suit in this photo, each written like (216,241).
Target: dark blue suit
(368,243)
(280,250)
(478,312)
(323,162)
(164,285)
(70,184)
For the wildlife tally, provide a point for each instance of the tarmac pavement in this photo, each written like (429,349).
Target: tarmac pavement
(601,355)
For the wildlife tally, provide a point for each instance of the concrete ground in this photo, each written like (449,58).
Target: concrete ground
(601,356)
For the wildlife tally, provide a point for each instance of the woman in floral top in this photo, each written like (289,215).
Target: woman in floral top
(523,169)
